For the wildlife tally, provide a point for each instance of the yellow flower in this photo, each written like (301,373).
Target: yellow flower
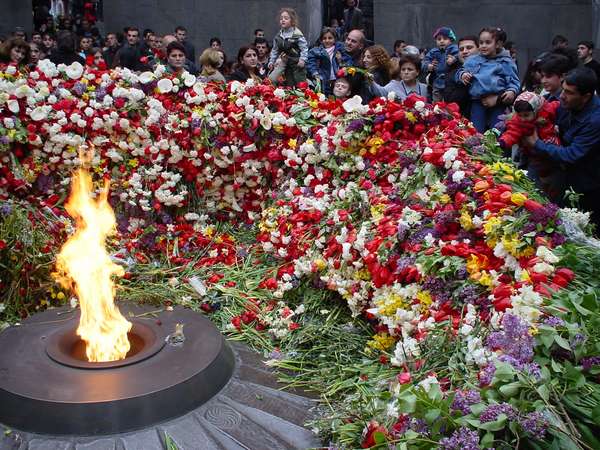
(466,221)
(209,231)
(377,211)
(320,264)
(411,117)
(381,341)
(425,299)
(60,296)
(491,225)
(362,274)
(525,276)
(313,104)
(133,162)
(518,199)
(292,143)
(485,279)
(389,305)
(444,199)
(351,71)
(533,330)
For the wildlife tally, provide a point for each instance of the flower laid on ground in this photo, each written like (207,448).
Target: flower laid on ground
(386,253)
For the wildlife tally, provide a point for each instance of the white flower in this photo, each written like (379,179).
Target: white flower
(164,86)
(189,79)
(146,77)
(458,176)
(74,71)
(355,104)
(13,106)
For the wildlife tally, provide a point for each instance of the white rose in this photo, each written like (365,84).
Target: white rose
(146,77)
(74,71)
(189,79)
(13,106)
(164,86)
(38,114)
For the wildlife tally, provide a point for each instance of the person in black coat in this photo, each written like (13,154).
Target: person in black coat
(65,51)
(455,91)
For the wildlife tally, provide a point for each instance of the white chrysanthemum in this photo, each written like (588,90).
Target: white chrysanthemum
(74,70)
(164,86)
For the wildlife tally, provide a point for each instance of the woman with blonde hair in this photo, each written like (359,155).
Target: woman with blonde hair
(210,60)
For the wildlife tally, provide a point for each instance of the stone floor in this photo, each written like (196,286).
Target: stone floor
(250,413)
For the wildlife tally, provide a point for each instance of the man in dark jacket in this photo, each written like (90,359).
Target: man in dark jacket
(190,51)
(129,55)
(455,91)
(65,52)
(353,17)
(111,49)
(578,120)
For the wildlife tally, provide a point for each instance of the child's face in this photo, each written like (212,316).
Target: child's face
(285,21)
(551,82)
(466,49)
(328,40)
(341,88)
(442,41)
(527,116)
(408,72)
(488,46)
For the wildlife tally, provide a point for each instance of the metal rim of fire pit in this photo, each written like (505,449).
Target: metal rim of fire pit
(40,395)
(60,346)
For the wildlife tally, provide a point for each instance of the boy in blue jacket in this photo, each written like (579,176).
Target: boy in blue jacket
(492,79)
(435,60)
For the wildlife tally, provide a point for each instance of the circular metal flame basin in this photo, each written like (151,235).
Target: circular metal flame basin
(66,347)
(47,386)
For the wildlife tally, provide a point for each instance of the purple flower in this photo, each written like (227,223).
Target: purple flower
(79,88)
(514,341)
(535,424)
(588,363)
(463,400)
(487,375)
(355,125)
(554,321)
(492,412)
(4,140)
(577,340)
(461,439)
(5,209)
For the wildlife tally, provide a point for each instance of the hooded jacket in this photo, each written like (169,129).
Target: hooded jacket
(435,54)
(319,64)
(490,75)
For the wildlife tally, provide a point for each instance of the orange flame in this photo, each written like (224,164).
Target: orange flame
(84,264)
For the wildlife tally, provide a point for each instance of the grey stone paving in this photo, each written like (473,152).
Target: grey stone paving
(250,413)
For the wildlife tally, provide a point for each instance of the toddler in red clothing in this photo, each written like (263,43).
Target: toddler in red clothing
(531,112)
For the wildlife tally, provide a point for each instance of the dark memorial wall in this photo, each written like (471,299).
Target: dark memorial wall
(233,21)
(15,13)
(531,24)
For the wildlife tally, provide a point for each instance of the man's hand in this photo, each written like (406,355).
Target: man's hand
(466,77)
(301,63)
(529,141)
(450,59)
(507,97)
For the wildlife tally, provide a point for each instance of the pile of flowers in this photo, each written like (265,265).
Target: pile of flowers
(401,211)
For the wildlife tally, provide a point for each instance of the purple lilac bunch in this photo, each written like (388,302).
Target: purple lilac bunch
(514,341)
(487,375)
(492,412)
(535,424)
(461,439)
(463,400)
(590,362)
(553,321)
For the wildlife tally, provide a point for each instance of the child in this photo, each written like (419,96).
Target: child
(533,112)
(553,69)
(405,74)
(342,88)
(290,46)
(435,60)
(492,78)
(324,61)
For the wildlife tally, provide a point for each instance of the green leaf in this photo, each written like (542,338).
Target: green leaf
(432,415)
(504,372)
(596,415)
(379,438)
(478,408)
(407,402)
(544,392)
(510,389)
(556,366)
(547,339)
(562,342)
(435,393)
(488,440)
(496,425)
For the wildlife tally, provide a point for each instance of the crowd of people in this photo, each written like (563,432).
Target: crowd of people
(548,122)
